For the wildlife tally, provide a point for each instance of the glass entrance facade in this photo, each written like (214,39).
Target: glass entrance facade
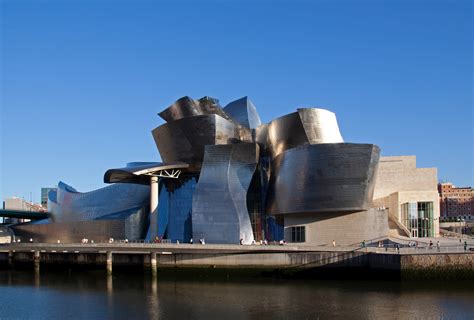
(418,218)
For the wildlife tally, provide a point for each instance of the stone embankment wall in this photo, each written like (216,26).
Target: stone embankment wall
(388,265)
(437,266)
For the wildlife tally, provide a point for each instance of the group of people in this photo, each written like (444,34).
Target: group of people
(201,241)
(263,242)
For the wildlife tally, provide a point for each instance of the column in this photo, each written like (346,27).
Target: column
(109,262)
(153,263)
(36,260)
(154,195)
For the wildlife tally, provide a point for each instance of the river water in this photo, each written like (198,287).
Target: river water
(134,295)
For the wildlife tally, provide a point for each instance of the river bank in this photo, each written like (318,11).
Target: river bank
(278,261)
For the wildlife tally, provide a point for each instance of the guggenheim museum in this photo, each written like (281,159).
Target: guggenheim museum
(227,178)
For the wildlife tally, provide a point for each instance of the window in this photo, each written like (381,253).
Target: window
(297,234)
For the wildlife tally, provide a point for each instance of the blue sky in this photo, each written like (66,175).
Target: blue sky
(82,81)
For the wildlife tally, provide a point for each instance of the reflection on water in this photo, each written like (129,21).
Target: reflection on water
(94,295)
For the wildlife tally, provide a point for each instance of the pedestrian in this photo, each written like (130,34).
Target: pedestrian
(431,244)
(241,241)
(334,243)
(398,248)
(191,241)
(363,244)
(438,245)
(465,245)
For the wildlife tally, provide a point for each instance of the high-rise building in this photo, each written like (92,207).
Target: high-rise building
(44,196)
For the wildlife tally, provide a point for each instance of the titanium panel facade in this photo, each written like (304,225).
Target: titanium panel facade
(306,126)
(323,178)
(184,140)
(244,112)
(70,205)
(220,213)
(320,125)
(186,107)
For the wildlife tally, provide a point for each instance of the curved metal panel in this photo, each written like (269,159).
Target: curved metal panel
(323,178)
(184,140)
(209,105)
(186,107)
(320,125)
(182,108)
(244,112)
(285,133)
(220,213)
(71,205)
(306,126)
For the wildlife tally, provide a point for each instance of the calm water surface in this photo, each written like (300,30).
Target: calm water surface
(94,295)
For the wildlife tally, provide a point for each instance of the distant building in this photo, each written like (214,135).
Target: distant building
(410,193)
(456,202)
(44,196)
(20,204)
(15,203)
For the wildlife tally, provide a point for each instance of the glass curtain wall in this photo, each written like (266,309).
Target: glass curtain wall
(418,218)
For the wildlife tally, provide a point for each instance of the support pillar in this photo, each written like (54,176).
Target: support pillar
(109,262)
(153,263)
(36,260)
(10,258)
(154,196)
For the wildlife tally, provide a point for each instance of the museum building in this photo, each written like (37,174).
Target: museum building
(227,178)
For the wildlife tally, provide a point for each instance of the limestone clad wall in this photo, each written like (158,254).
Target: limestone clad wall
(345,229)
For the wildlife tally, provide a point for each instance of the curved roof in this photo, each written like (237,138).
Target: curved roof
(140,173)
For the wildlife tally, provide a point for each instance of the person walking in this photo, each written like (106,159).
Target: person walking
(438,245)
(465,246)
(334,243)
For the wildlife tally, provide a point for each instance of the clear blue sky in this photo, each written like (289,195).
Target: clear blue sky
(82,81)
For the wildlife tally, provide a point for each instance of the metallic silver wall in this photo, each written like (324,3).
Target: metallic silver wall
(244,112)
(71,232)
(306,126)
(220,213)
(323,178)
(187,107)
(68,205)
(184,140)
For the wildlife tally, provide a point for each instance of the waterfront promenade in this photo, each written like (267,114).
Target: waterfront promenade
(287,259)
